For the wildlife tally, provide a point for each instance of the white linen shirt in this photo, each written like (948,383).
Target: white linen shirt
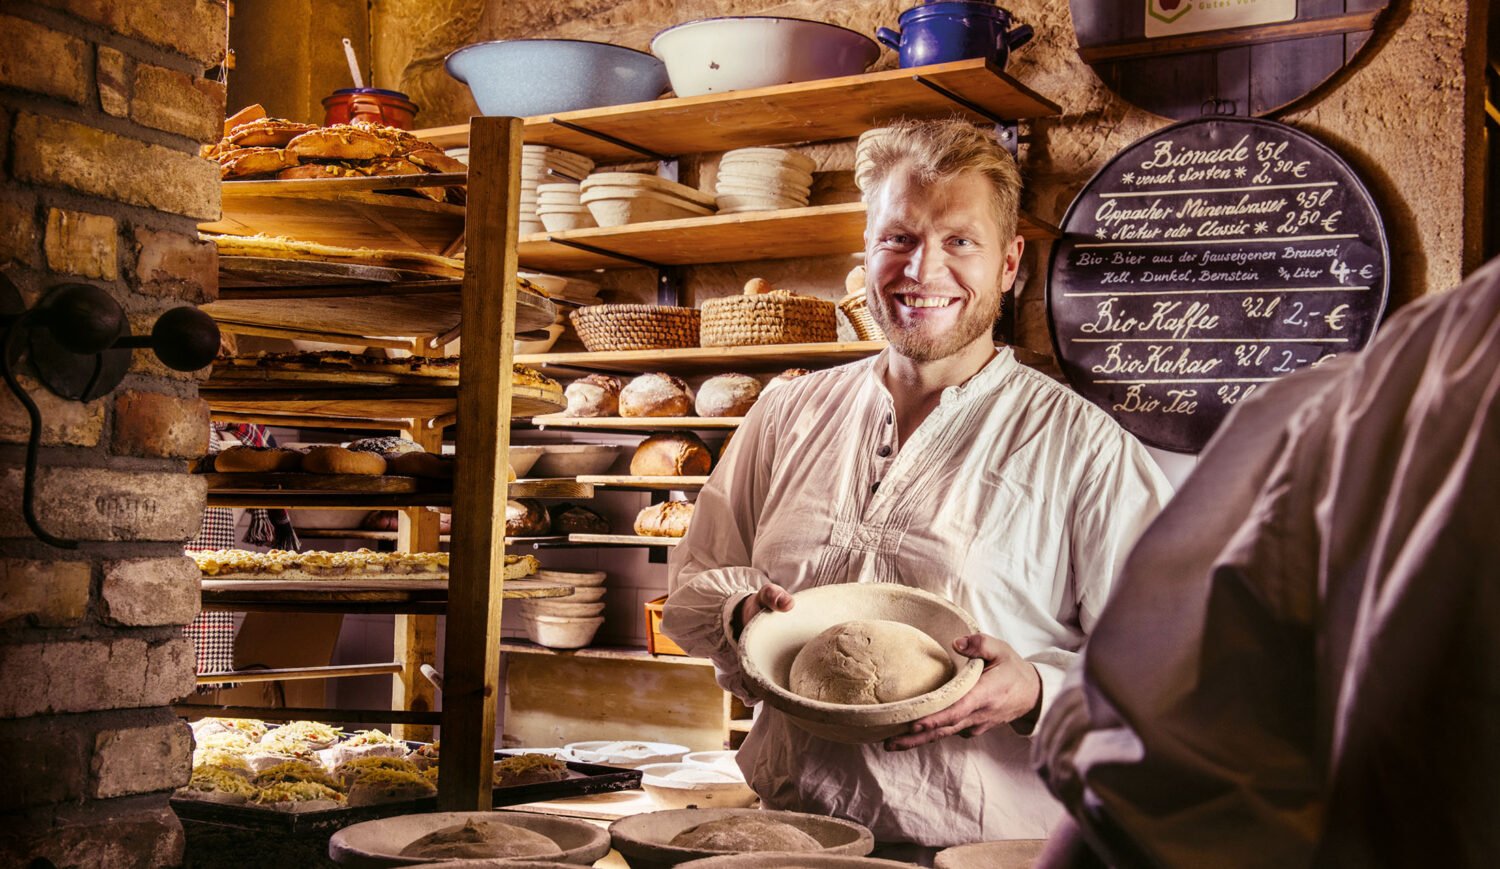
(1016,499)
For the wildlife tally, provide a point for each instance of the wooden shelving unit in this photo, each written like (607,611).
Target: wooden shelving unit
(622,540)
(642,425)
(708,360)
(814,111)
(644,484)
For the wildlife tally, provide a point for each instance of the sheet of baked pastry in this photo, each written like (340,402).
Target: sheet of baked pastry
(358,565)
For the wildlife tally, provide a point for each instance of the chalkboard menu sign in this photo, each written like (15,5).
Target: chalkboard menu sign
(1204,260)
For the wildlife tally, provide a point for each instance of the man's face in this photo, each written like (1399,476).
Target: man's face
(936,264)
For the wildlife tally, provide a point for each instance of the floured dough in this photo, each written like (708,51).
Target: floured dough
(482,839)
(745,833)
(861,662)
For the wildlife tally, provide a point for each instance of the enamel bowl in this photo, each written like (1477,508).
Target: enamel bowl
(526,77)
(714,55)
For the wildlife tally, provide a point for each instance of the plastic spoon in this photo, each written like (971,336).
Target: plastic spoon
(359,81)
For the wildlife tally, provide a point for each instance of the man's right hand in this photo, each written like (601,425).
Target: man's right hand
(770,597)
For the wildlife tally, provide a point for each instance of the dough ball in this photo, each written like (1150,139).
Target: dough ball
(745,833)
(863,662)
(482,839)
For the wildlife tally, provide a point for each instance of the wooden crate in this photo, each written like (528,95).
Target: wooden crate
(658,643)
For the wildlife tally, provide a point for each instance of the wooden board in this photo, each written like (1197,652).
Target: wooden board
(404,308)
(608,653)
(622,540)
(635,424)
(366,534)
(1251,71)
(221,591)
(336,212)
(304,483)
(709,360)
(761,235)
(369,402)
(270,271)
(645,484)
(831,108)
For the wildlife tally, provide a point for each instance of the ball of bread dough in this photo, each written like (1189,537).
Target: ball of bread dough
(741,833)
(482,839)
(868,661)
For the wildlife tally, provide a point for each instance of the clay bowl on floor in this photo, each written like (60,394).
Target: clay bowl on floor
(643,839)
(377,844)
(690,786)
(1010,854)
(772,640)
(790,861)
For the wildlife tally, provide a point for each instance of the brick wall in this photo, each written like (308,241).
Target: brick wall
(103,104)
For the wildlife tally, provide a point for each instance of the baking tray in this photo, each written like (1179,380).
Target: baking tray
(583,779)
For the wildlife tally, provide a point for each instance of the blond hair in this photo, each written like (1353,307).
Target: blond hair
(937,150)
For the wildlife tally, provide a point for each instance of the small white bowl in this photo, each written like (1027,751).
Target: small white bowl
(560,632)
(631,754)
(689,786)
(573,460)
(592,579)
(562,221)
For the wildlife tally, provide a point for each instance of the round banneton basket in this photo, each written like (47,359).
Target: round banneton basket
(768,318)
(857,310)
(636,327)
(645,840)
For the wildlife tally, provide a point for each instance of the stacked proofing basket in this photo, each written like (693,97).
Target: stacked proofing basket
(766,316)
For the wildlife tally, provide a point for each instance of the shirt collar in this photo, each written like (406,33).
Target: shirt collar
(984,381)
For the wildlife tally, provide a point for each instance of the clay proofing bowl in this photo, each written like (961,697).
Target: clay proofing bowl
(690,786)
(1010,854)
(565,607)
(643,839)
(646,753)
(492,864)
(788,861)
(591,579)
(772,640)
(376,844)
(560,632)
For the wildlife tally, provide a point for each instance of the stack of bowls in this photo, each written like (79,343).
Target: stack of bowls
(558,207)
(565,622)
(618,198)
(763,179)
(862,153)
(537,162)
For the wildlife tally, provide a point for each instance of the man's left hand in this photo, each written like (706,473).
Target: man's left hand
(1009,689)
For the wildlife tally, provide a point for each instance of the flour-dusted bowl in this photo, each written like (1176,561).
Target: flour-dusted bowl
(562,607)
(577,579)
(572,460)
(379,843)
(689,786)
(772,640)
(645,840)
(628,753)
(560,632)
(522,458)
(714,55)
(722,759)
(785,860)
(1007,854)
(526,77)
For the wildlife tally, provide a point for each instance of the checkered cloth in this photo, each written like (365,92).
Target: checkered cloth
(212,633)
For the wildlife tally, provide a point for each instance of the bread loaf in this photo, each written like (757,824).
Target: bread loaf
(667,519)
(385,447)
(671,454)
(256,460)
(420,465)
(656,395)
(329,459)
(727,395)
(594,395)
(786,376)
(573,519)
(526,518)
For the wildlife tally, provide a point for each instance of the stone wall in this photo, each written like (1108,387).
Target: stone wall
(103,104)
(1398,117)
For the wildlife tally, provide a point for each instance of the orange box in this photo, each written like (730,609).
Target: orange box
(658,643)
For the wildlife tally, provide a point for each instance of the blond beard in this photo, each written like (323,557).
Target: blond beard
(930,348)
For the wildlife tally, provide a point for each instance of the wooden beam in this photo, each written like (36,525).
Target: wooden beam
(194,711)
(1354,22)
(471,665)
(418,530)
(300,334)
(292,420)
(291,673)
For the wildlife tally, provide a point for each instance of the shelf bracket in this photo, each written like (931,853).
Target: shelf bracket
(599,251)
(613,140)
(669,279)
(1005,128)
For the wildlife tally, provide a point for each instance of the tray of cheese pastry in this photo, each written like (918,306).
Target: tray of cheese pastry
(357,184)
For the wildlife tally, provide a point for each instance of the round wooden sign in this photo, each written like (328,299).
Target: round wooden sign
(1186,58)
(1208,258)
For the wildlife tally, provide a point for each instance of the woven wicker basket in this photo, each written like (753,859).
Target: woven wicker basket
(860,318)
(636,327)
(770,318)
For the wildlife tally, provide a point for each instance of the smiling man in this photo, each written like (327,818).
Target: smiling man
(941,464)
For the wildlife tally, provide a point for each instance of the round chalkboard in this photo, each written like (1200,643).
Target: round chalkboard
(1204,260)
(1181,58)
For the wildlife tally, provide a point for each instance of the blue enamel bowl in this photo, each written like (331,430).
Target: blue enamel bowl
(526,77)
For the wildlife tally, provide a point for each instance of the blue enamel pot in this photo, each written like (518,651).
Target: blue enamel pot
(944,32)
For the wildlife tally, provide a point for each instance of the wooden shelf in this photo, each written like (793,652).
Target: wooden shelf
(245,493)
(407,308)
(710,360)
(621,540)
(322,484)
(645,484)
(638,425)
(832,108)
(789,233)
(367,534)
(609,653)
(387,595)
(372,401)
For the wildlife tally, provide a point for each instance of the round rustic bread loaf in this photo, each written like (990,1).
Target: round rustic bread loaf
(667,519)
(671,454)
(784,377)
(256,460)
(869,661)
(573,519)
(385,447)
(656,395)
(329,459)
(420,465)
(526,518)
(594,395)
(727,395)
(740,833)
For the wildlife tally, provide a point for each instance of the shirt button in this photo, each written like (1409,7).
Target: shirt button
(875,486)
(884,451)
(889,419)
